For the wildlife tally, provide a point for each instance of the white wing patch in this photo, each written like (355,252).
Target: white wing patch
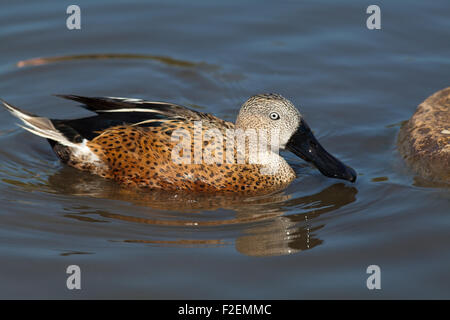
(130,110)
(133,100)
(137,101)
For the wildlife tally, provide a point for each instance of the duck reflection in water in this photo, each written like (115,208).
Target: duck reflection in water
(260,225)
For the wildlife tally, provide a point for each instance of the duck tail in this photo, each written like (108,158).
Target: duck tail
(40,126)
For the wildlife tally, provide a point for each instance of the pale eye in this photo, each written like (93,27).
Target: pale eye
(274,116)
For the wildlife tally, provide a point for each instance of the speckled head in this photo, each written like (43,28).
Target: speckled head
(270,112)
(274,112)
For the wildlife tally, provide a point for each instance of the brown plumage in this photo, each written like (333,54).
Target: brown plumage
(142,156)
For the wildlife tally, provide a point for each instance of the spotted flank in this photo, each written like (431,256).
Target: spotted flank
(131,141)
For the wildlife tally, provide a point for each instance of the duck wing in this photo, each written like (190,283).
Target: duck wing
(136,107)
(114,111)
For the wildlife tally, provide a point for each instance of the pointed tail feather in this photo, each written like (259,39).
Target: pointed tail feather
(40,126)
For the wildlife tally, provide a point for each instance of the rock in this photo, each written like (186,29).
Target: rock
(424,140)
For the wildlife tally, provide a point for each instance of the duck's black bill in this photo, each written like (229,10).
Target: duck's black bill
(305,145)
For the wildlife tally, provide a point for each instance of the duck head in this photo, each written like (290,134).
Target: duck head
(274,112)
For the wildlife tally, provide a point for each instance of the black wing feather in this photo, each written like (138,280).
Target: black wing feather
(107,104)
(108,116)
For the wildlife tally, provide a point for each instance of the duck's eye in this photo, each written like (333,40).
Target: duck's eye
(274,116)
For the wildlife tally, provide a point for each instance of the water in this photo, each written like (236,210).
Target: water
(315,239)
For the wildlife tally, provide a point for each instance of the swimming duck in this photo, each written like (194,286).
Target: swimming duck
(132,141)
(424,140)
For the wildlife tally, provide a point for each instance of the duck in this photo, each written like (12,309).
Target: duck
(424,141)
(146,144)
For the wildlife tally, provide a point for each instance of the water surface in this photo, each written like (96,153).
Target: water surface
(313,240)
